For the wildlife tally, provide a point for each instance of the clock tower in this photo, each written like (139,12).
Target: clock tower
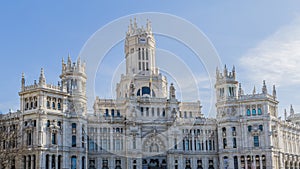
(142,78)
(140,50)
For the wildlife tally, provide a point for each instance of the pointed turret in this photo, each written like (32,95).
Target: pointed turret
(274,92)
(233,71)
(69,63)
(264,88)
(285,114)
(225,71)
(23,81)
(172,92)
(240,89)
(254,90)
(42,79)
(292,110)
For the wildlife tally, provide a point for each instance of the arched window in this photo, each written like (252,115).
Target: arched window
(253,112)
(106,113)
(259,111)
(73,162)
(58,106)
(248,112)
(224,132)
(224,143)
(112,112)
(249,128)
(53,105)
(139,53)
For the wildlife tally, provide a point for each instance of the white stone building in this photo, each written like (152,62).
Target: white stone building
(146,126)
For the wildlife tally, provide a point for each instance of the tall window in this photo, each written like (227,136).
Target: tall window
(248,112)
(224,143)
(106,113)
(73,141)
(139,53)
(112,112)
(53,138)
(73,162)
(134,143)
(253,112)
(29,138)
(256,141)
(235,162)
(146,53)
(259,111)
(234,142)
(73,128)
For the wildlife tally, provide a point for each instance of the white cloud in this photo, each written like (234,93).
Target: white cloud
(277,58)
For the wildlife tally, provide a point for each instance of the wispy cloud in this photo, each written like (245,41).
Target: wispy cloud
(277,58)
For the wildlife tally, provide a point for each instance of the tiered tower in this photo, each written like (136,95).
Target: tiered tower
(73,78)
(141,71)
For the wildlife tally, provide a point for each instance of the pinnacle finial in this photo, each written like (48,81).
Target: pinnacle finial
(285,114)
(264,89)
(42,79)
(254,90)
(274,91)
(292,110)
(23,80)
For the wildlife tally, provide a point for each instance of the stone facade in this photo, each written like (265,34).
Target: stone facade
(146,126)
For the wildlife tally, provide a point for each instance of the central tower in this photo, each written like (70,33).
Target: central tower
(140,50)
(142,77)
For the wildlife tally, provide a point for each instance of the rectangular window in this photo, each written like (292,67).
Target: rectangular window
(253,112)
(248,112)
(142,111)
(134,143)
(256,141)
(224,143)
(73,162)
(29,138)
(73,128)
(140,66)
(234,142)
(53,138)
(73,141)
(259,111)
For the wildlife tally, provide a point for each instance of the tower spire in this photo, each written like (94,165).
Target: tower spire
(23,81)
(264,88)
(42,79)
(292,110)
(285,114)
(274,92)
(254,91)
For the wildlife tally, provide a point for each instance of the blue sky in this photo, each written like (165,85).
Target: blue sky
(261,38)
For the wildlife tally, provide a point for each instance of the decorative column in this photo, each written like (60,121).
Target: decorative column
(50,161)
(260,162)
(56,161)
